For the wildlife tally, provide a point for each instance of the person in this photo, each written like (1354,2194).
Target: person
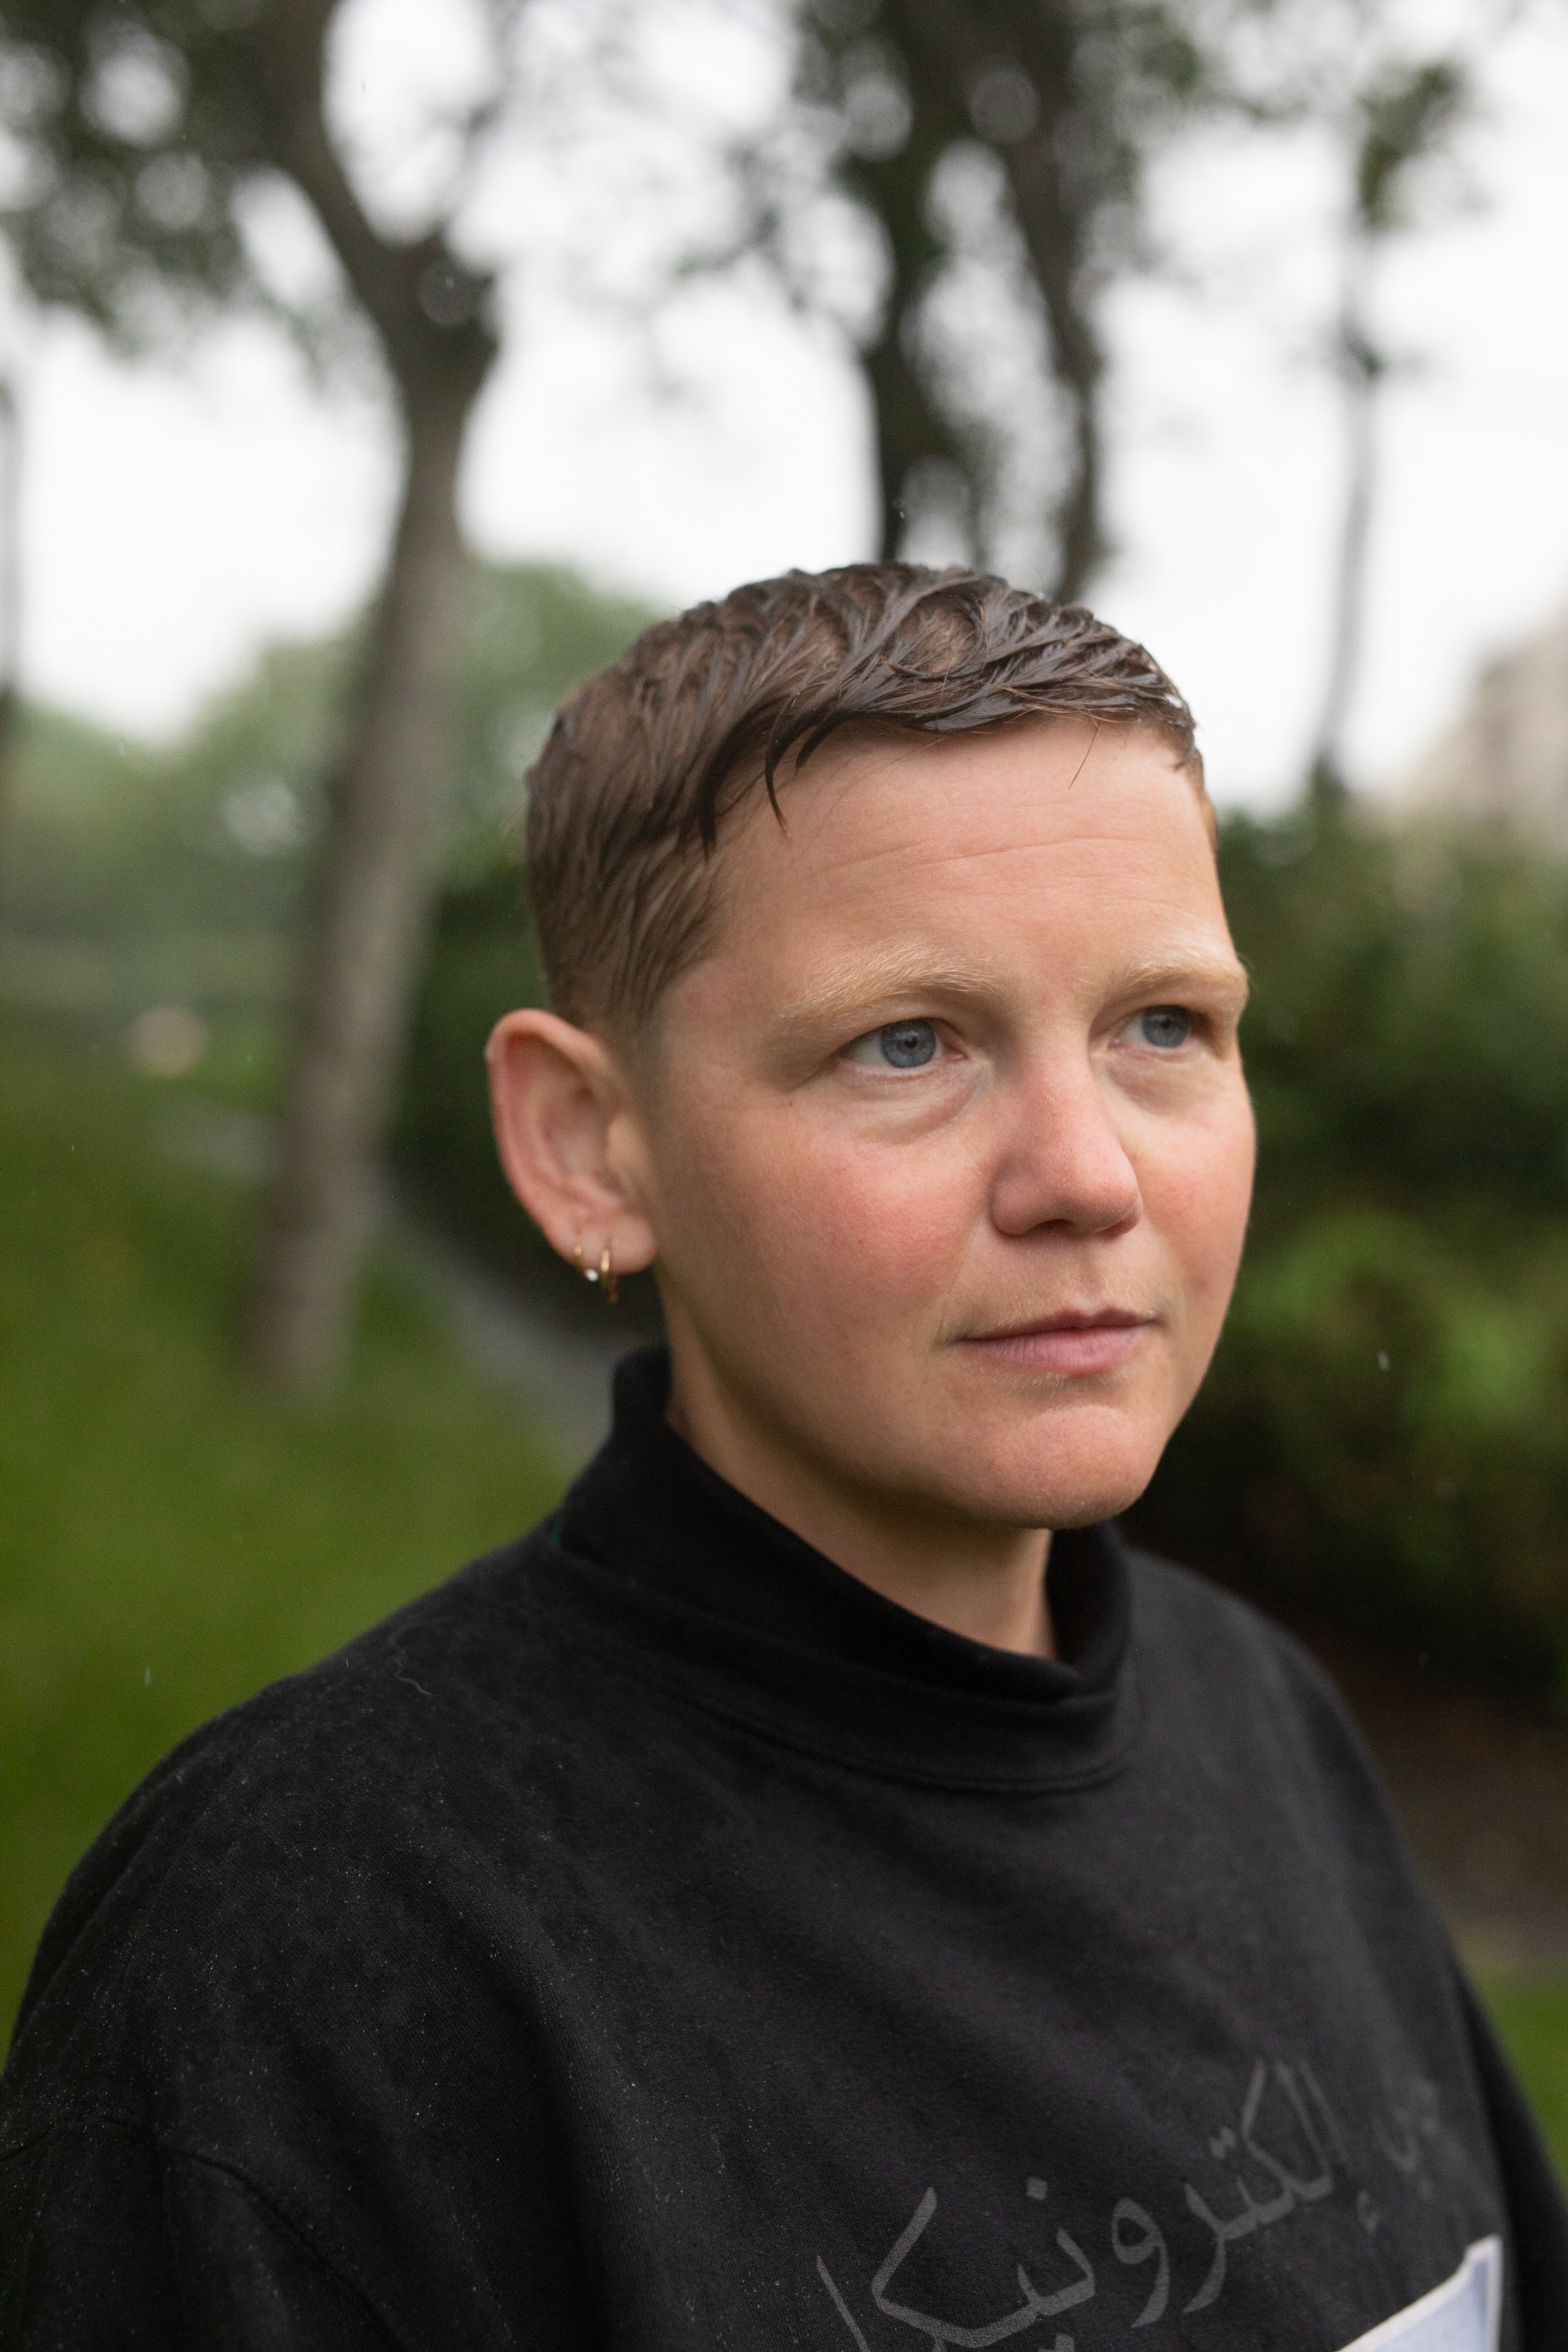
(823,1889)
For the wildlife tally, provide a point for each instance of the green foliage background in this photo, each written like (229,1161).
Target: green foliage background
(133,872)
(1385,1432)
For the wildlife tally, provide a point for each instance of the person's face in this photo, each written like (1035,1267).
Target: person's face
(948,1149)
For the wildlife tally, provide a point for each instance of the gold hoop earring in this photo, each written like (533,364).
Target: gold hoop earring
(603,1272)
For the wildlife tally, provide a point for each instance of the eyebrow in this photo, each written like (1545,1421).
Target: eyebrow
(844,996)
(849,990)
(1227,974)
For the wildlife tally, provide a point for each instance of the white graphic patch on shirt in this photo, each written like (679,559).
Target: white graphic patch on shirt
(1463,2314)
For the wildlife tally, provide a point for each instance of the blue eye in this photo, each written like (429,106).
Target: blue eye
(1165,1025)
(906,1044)
(900,1046)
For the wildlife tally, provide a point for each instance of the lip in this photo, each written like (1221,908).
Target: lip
(1073,1344)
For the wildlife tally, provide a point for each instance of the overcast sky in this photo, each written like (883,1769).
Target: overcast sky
(175,515)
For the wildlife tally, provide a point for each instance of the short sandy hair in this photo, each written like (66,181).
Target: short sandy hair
(648,759)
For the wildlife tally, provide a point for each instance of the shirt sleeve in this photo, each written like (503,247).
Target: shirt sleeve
(116,2244)
(1537,2214)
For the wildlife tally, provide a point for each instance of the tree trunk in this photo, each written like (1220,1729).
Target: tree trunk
(1055,207)
(10,589)
(367,919)
(1053,237)
(1363,367)
(943,44)
(906,422)
(906,425)
(369,909)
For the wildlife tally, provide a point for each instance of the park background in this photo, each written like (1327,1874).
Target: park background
(372,372)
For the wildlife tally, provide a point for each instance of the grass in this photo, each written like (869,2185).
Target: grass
(170,1539)
(1530,2014)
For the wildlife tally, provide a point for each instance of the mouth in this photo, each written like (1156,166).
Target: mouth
(1074,1344)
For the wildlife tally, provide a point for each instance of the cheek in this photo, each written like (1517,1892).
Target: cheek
(828,1222)
(1197,1190)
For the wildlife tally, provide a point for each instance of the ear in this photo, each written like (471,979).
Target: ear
(569,1138)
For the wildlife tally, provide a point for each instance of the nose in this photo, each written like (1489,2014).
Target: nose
(1063,1163)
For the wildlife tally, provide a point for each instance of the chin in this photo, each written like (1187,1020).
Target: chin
(1063,1476)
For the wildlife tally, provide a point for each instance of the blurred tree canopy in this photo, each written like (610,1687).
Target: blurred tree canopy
(1020,131)
(1006,152)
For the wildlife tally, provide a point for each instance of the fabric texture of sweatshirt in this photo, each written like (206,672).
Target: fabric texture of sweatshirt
(655,1941)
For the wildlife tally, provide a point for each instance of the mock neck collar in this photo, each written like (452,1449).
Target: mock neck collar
(725,1587)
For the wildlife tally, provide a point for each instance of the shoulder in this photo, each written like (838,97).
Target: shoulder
(324,1801)
(1225,1677)
(1176,1606)
(1197,1624)
(398,1693)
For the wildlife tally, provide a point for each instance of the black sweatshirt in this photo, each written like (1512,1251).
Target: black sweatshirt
(655,1941)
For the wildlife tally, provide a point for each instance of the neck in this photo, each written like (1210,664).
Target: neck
(985,1582)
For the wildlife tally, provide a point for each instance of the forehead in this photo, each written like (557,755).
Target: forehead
(1046,823)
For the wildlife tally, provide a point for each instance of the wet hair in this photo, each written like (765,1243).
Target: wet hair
(649,760)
